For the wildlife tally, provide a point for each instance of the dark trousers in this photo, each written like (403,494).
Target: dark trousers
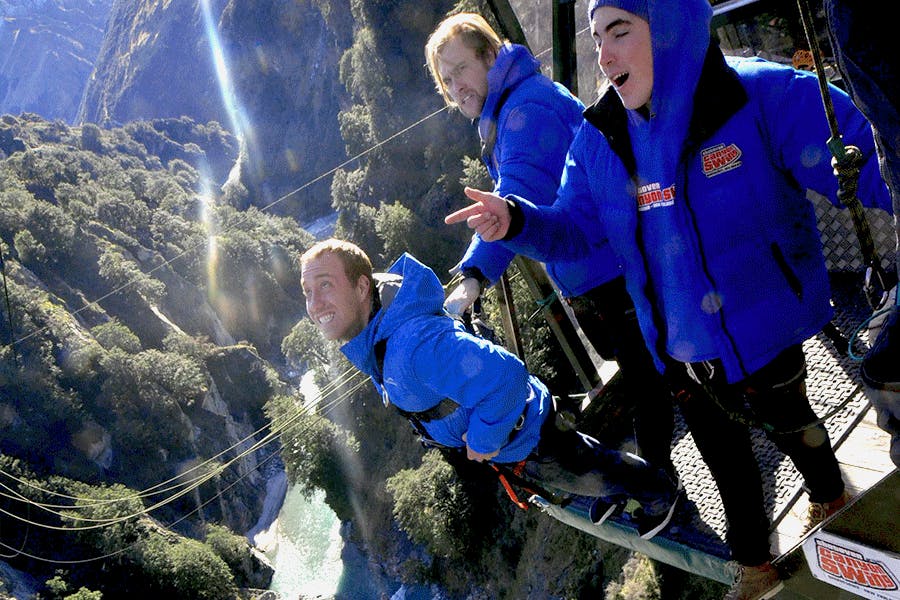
(776,396)
(607,317)
(574,462)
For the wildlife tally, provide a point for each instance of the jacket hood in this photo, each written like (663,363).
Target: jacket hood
(420,294)
(680,38)
(513,65)
(680,35)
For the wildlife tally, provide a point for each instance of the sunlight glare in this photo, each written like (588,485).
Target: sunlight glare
(226,88)
(212,247)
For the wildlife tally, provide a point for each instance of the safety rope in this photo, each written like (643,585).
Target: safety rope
(847,161)
(12,332)
(543,304)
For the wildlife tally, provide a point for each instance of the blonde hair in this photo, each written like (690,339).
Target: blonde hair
(356,262)
(476,34)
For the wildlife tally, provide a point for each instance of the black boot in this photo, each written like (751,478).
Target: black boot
(880,368)
(880,372)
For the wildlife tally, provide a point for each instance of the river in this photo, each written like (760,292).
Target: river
(301,537)
(307,549)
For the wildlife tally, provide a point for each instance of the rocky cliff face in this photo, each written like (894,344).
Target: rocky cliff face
(275,85)
(266,71)
(154,62)
(47,52)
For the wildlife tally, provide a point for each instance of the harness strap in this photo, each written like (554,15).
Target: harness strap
(739,414)
(509,491)
(514,474)
(444,408)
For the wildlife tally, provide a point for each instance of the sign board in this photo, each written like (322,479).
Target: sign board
(866,572)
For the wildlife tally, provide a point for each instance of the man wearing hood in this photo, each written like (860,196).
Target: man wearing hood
(526,122)
(463,392)
(695,168)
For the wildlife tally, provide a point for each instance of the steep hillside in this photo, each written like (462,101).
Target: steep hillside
(139,342)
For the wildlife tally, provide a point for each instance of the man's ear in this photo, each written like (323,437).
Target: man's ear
(490,58)
(363,288)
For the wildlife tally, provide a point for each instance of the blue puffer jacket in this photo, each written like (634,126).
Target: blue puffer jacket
(705,201)
(430,357)
(526,126)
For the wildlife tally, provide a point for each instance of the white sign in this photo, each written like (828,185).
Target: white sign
(846,564)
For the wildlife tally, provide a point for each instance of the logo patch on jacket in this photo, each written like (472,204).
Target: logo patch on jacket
(720,158)
(652,195)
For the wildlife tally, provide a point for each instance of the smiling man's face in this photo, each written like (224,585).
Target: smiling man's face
(338,307)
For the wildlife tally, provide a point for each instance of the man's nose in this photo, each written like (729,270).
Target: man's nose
(604,56)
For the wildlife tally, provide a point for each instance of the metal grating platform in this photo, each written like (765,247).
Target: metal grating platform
(839,242)
(832,378)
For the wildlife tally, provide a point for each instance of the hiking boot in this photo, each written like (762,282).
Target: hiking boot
(755,583)
(819,511)
(650,525)
(601,510)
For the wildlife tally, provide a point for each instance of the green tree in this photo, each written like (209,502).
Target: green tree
(305,344)
(16,203)
(197,572)
(85,594)
(475,174)
(120,210)
(231,548)
(91,138)
(116,335)
(122,272)
(116,506)
(31,252)
(186,568)
(314,451)
(53,229)
(147,419)
(431,506)
(58,589)
(398,227)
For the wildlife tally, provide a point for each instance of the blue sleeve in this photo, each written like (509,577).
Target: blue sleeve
(485,378)
(799,129)
(561,232)
(531,150)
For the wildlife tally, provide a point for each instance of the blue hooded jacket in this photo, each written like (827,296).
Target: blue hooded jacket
(705,201)
(430,357)
(526,126)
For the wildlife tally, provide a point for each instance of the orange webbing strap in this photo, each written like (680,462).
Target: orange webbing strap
(517,471)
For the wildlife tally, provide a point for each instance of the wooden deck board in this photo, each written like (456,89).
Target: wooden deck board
(864,460)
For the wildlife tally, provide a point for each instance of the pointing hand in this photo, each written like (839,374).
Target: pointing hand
(488,216)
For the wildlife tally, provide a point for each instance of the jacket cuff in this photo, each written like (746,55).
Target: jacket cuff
(516,219)
(476,274)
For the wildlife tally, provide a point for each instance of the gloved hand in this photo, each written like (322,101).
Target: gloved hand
(462,296)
